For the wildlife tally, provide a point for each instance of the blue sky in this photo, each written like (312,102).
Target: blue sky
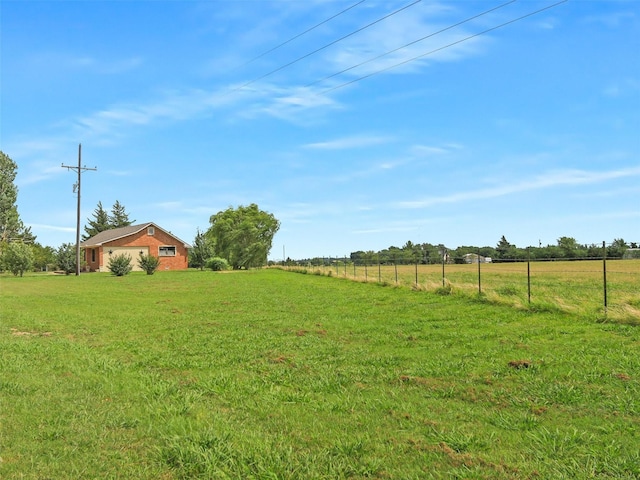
(530,130)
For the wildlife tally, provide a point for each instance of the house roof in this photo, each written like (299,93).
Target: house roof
(117,233)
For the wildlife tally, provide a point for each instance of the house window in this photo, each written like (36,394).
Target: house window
(93,255)
(151,231)
(167,251)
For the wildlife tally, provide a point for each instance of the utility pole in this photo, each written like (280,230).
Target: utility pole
(76,187)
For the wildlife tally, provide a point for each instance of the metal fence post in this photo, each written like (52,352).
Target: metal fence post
(604,274)
(529,274)
(479,282)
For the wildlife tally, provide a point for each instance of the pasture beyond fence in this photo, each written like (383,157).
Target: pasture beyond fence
(601,287)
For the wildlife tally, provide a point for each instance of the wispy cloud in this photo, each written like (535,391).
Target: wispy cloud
(622,87)
(54,228)
(358,141)
(614,19)
(548,180)
(58,61)
(422,151)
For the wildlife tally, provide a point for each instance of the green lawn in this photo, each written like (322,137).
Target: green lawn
(269,374)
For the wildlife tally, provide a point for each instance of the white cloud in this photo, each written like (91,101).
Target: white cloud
(548,180)
(55,228)
(358,141)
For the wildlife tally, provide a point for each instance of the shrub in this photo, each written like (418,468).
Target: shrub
(148,263)
(120,265)
(17,257)
(445,290)
(66,258)
(217,264)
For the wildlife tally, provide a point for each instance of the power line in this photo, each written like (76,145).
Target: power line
(300,34)
(325,46)
(444,47)
(412,43)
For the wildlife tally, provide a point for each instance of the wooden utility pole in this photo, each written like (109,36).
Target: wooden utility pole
(78,169)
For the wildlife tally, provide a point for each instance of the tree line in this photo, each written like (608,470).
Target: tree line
(566,248)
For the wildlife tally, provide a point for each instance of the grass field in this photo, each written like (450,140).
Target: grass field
(572,287)
(268,374)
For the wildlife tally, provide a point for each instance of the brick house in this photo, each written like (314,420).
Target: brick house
(146,238)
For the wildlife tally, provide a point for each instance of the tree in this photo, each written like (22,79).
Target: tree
(11,227)
(43,257)
(66,258)
(17,257)
(201,251)
(119,217)
(243,236)
(100,222)
(103,220)
(504,248)
(569,247)
(617,248)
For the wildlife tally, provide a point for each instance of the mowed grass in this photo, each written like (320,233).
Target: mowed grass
(574,287)
(273,375)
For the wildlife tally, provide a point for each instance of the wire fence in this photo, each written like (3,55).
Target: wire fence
(604,287)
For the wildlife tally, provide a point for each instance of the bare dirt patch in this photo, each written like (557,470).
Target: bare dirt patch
(18,333)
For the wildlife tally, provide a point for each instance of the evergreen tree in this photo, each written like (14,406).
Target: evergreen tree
(100,222)
(504,248)
(66,258)
(11,227)
(119,217)
(201,251)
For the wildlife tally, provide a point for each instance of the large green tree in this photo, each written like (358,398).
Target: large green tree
(43,257)
(243,235)
(99,223)
(17,257)
(119,217)
(103,220)
(11,227)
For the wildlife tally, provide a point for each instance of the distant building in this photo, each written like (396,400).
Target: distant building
(475,258)
(631,253)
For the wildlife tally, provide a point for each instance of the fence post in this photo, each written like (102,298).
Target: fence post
(354,269)
(416,273)
(379,270)
(529,274)
(444,256)
(479,282)
(395,266)
(604,273)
